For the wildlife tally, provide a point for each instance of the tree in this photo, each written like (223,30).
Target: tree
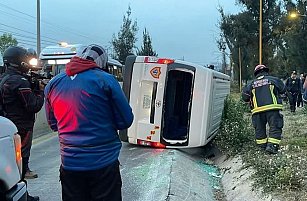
(7,40)
(146,48)
(295,36)
(125,40)
(242,31)
(239,33)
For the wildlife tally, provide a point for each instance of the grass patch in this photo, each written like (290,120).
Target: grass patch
(284,173)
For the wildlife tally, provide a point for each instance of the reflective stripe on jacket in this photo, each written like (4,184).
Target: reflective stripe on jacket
(263,93)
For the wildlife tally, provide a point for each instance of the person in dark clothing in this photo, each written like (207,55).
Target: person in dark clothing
(293,87)
(263,94)
(19,101)
(87,107)
(300,102)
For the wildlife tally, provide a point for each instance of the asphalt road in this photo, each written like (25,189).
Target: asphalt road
(41,126)
(148,174)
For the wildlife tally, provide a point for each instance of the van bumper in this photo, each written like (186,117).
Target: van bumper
(17,193)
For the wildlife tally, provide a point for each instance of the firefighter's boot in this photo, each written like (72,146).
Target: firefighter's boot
(272,148)
(262,147)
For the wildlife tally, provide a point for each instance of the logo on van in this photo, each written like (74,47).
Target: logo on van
(156,72)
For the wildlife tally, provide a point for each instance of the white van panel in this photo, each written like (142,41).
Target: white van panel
(141,95)
(9,172)
(197,116)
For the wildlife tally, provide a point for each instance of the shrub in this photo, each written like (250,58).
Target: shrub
(235,132)
(275,172)
(234,87)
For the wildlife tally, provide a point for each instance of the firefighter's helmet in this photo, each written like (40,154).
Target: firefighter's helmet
(259,68)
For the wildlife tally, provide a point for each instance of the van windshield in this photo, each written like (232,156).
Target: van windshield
(54,67)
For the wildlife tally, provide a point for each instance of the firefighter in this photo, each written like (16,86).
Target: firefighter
(263,94)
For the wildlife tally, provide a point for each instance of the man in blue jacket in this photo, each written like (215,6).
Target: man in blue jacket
(87,107)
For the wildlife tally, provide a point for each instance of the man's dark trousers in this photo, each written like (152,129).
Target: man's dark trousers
(300,100)
(276,123)
(292,100)
(26,144)
(95,185)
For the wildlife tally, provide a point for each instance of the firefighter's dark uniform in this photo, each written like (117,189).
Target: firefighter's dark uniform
(293,90)
(20,104)
(263,93)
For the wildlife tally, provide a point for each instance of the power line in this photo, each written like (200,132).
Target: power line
(30,41)
(15,16)
(25,43)
(8,7)
(24,31)
(24,36)
(67,30)
(48,23)
(27,20)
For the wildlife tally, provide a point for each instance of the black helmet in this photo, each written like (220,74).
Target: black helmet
(17,57)
(31,53)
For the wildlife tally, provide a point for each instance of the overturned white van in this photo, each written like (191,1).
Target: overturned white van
(175,103)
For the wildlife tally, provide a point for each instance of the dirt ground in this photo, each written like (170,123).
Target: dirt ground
(236,182)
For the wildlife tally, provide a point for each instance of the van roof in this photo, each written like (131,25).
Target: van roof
(67,52)
(60,52)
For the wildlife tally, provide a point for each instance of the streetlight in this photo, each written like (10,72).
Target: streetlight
(294,15)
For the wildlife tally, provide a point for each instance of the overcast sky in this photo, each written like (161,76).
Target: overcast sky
(179,28)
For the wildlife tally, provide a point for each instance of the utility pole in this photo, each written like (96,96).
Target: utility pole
(240,69)
(38,45)
(231,66)
(224,57)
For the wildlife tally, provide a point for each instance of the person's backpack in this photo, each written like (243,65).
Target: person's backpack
(4,79)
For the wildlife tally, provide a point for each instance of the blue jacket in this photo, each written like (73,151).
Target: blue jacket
(87,107)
